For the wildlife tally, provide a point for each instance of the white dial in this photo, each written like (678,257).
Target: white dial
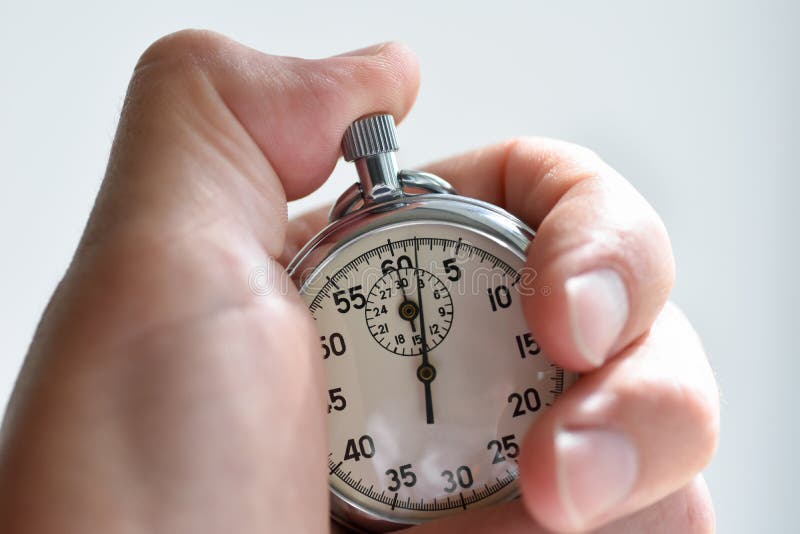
(433,377)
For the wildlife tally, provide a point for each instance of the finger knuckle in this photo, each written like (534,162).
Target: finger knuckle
(184,47)
(655,239)
(686,410)
(553,155)
(695,388)
(175,68)
(683,407)
(701,410)
(637,239)
(698,512)
(634,237)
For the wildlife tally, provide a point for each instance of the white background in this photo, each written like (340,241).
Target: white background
(695,102)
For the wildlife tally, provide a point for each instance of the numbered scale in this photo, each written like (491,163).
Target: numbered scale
(433,377)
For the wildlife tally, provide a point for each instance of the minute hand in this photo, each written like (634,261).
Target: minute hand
(425,372)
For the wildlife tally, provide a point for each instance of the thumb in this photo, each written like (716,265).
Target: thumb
(213,139)
(157,382)
(211,128)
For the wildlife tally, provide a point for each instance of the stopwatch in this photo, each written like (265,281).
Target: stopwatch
(432,374)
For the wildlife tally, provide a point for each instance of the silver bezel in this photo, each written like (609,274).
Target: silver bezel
(472,214)
(456,209)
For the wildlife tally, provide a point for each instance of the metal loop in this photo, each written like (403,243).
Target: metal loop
(409,180)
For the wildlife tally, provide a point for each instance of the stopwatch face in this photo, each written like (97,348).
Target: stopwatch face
(433,376)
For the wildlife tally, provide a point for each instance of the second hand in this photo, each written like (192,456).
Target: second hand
(425,372)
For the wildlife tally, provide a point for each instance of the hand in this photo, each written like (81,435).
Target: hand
(161,394)
(425,372)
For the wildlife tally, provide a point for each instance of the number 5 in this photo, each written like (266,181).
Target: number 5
(453,270)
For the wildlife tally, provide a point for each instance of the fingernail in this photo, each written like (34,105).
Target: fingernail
(596,470)
(598,310)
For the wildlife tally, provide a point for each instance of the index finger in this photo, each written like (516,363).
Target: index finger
(602,258)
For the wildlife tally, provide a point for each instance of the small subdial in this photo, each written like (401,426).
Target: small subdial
(393,311)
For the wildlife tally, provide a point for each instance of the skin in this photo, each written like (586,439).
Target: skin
(160,394)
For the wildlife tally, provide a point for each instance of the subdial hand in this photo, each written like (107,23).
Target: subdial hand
(408,309)
(425,372)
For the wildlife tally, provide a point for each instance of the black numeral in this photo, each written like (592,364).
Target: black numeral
(356,295)
(402,474)
(499,297)
(403,262)
(453,271)
(363,447)
(528,399)
(462,477)
(343,302)
(527,345)
(507,444)
(334,345)
(338,402)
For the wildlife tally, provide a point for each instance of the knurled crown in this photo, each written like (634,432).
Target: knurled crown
(368,136)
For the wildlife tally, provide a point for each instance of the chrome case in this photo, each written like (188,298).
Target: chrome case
(384,198)
(443,206)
